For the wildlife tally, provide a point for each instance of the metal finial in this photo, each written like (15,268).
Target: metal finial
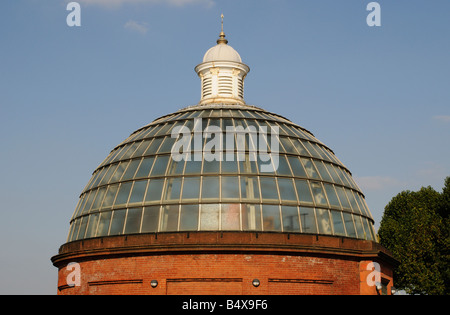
(222,39)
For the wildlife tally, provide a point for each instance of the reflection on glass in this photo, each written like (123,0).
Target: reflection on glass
(210,188)
(297,167)
(122,195)
(359,228)
(145,167)
(331,194)
(160,166)
(287,191)
(307,219)
(290,219)
(154,190)
(92,227)
(310,169)
(169,218)
(173,189)
(189,218)
(319,196)
(268,188)
(251,217)
(348,221)
(191,188)
(209,217)
(117,222)
(342,197)
(230,187)
(133,223)
(323,221)
(137,194)
(303,191)
(230,217)
(271,218)
(337,223)
(250,188)
(150,219)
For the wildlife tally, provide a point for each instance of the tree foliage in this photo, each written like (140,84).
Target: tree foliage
(415,228)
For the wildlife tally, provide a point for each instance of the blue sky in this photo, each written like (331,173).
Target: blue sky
(378,96)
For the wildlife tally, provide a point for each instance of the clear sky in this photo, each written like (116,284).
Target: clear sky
(378,96)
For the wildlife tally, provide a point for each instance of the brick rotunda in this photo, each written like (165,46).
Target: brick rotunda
(222,198)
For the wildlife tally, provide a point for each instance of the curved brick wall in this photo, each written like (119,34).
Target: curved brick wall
(222,263)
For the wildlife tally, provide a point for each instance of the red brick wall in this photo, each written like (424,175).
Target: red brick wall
(208,272)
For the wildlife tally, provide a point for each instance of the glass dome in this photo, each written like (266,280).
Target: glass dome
(140,188)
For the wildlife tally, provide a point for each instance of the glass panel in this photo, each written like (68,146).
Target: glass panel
(176,168)
(173,189)
(108,175)
(352,199)
(331,194)
(323,221)
(332,171)
(230,187)
(103,224)
(368,229)
(160,166)
(117,222)
(131,170)
(287,191)
(308,221)
(191,188)
(211,167)
(290,219)
(166,147)
(154,190)
(268,188)
(122,195)
(119,172)
(311,150)
(296,166)
(230,166)
(169,218)
(359,228)
(231,217)
(251,217)
(150,219)
(310,169)
(92,227)
(319,196)
(99,198)
(141,149)
(300,148)
(209,217)
(138,192)
(83,225)
(247,165)
(323,172)
(283,166)
(271,218)
(193,167)
(130,152)
(89,201)
(288,146)
(145,167)
(189,217)
(303,191)
(133,224)
(110,196)
(342,197)
(348,221)
(153,148)
(210,188)
(337,223)
(250,188)
(76,229)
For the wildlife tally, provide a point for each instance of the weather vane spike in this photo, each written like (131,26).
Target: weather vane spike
(222,39)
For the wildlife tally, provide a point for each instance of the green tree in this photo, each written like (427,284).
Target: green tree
(415,228)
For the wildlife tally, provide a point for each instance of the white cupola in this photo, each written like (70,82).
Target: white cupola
(222,74)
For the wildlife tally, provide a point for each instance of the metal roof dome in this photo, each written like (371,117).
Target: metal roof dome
(139,188)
